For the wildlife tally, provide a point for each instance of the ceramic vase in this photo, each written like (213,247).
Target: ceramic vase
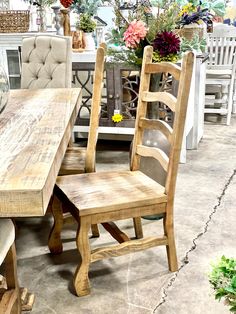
(89,41)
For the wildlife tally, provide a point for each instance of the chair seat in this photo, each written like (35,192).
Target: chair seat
(7,237)
(74,161)
(217,80)
(90,192)
(219,72)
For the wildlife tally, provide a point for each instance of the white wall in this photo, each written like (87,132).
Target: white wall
(19,5)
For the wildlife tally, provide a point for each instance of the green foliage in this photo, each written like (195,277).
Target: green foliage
(125,56)
(165,21)
(86,6)
(223,281)
(115,37)
(194,44)
(86,23)
(217,6)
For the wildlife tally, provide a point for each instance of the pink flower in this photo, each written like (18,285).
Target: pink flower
(135,31)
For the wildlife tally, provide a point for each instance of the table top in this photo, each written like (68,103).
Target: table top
(35,129)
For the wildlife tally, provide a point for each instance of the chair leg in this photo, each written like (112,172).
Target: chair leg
(138,227)
(95,231)
(54,240)
(11,277)
(81,279)
(170,248)
(230,104)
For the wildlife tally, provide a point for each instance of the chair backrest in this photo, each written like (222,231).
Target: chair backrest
(46,62)
(95,109)
(221,47)
(178,105)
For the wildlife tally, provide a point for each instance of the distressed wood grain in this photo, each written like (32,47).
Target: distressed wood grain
(35,129)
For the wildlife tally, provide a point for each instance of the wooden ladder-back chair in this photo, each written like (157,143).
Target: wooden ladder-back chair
(10,301)
(220,73)
(109,196)
(79,160)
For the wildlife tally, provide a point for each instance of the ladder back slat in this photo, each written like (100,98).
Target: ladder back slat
(164,67)
(164,97)
(211,52)
(232,51)
(223,40)
(154,152)
(160,125)
(227,48)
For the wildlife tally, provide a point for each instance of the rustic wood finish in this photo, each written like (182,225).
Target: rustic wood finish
(164,97)
(35,129)
(79,160)
(150,124)
(108,196)
(163,67)
(154,152)
(10,301)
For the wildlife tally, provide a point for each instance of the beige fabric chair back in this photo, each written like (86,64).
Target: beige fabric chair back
(46,62)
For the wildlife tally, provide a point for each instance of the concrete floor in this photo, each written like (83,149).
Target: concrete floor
(138,283)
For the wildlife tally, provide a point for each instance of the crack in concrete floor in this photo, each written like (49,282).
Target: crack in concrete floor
(185,260)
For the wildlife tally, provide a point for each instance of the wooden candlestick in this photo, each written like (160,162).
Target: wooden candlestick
(66,22)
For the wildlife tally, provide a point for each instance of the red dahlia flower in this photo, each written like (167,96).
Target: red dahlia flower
(166,43)
(66,3)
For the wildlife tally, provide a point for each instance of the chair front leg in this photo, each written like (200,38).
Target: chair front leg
(54,240)
(11,277)
(81,279)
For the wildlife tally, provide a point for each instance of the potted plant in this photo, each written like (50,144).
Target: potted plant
(196,16)
(87,25)
(223,280)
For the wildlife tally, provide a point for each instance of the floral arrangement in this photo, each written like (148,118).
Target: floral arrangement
(199,11)
(142,28)
(191,13)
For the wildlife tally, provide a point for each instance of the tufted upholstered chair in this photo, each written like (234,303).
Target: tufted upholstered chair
(46,62)
(9,296)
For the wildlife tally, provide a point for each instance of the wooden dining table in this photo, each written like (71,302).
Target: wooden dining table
(35,129)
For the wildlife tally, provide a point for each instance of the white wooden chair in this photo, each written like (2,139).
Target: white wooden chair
(220,73)
(103,197)
(10,302)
